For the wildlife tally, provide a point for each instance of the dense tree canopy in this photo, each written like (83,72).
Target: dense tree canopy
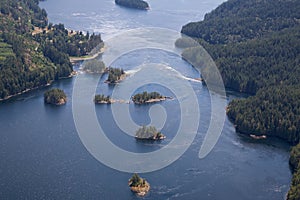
(137,4)
(236,20)
(294,192)
(114,75)
(265,64)
(136,181)
(272,111)
(72,43)
(254,64)
(255,45)
(144,97)
(33,53)
(101,98)
(55,96)
(94,66)
(149,133)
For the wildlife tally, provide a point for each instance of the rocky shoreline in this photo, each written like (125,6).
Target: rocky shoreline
(153,100)
(138,185)
(74,60)
(141,190)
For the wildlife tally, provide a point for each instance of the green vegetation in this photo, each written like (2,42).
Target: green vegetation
(237,21)
(138,185)
(294,192)
(72,43)
(55,96)
(256,46)
(137,4)
(146,97)
(115,75)
(273,111)
(33,53)
(94,66)
(136,181)
(5,51)
(186,42)
(256,64)
(100,98)
(149,133)
(264,63)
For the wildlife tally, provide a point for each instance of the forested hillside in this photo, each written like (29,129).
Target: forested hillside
(256,46)
(258,63)
(32,52)
(237,20)
(294,192)
(272,111)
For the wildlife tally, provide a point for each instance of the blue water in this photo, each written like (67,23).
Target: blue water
(42,156)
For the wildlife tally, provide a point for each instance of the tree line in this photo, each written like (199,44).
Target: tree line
(29,60)
(145,96)
(101,98)
(257,65)
(55,96)
(114,74)
(272,111)
(255,45)
(236,21)
(137,4)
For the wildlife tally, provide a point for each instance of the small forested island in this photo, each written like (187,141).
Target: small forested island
(138,185)
(149,133)
(94,66)
(115,75)
(145,97)
(136,4)
(55,96)
(102,99)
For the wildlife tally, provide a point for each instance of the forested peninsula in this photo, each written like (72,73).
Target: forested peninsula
(256,46)
(34,52)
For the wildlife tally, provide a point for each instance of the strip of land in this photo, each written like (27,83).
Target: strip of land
(87,57)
